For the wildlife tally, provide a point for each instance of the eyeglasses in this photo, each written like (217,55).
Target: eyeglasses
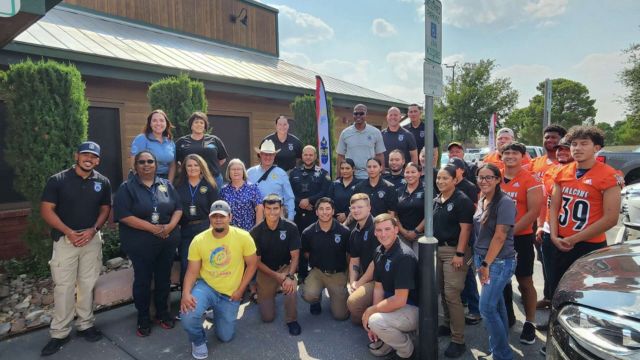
(486,178)
(359,113)
(148,161)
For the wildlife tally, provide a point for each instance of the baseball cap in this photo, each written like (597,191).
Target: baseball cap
(89,147)
(506,131)
(458,163)
(220,207)
(455,143)
(564,142)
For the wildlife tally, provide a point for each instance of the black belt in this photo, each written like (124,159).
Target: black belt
(330,272)
(196,222)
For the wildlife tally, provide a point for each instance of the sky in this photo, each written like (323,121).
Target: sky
(379,44)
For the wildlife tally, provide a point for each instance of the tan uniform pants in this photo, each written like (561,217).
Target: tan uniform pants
(451,282)
(359,301)
(267,290)
(393,328)
(75,271)
(336,285)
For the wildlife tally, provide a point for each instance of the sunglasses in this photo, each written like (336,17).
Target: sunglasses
(148,161)
(359,113)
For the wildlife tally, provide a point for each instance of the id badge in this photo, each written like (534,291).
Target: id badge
(155,217)
(192,210)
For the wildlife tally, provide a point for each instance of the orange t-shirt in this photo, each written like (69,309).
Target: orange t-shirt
(495,159)
(582,199)
(517,189)
(539,166)
(548,179)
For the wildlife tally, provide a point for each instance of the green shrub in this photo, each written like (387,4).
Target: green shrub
(111,243)
(47,119)
(179,96)
(304,114)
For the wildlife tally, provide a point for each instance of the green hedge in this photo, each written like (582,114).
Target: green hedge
(179,96)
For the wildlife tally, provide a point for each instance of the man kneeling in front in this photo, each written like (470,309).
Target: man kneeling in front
(394,313)
(216,278)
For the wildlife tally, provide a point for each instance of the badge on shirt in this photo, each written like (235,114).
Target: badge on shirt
(192,210)
(290,147)
(203,189)
(400,137)
(317,174)
(449,207)
(211,146)
(369,138)
(97,186)
(387,265)
(283,234)
(337,238)
(381,194)
(419,195)
(162,188)
(274,176)
(421,133)
(366,235)
(155,217)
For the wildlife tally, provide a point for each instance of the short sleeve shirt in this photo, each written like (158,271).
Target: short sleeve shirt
(309,184)
(383,196)
(448,215)
(165,151)
(469,189)
(210,147)
(77,200)
(402,140)
(360,146)
(327,250)
(363,243)
(517,189)
(243,202)
(397,268)
(277,182)
(418,134)
(506,215)
(222,259)
(290,150)
(411,207)
(200,197)
(396,179)
(341,194)
(274,246)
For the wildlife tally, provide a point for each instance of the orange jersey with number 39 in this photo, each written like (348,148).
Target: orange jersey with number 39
(582,199)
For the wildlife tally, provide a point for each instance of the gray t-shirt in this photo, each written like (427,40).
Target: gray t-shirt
(360,146)
(506,215)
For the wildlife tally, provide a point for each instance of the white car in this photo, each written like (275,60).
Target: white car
(630,210)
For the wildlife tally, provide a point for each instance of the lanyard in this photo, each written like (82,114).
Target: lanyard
(153,190)
(193,191)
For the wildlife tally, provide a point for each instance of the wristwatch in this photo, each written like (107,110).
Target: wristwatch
(484,264)
(290,277)
(459,254)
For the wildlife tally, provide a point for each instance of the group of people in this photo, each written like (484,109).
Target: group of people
(283,226)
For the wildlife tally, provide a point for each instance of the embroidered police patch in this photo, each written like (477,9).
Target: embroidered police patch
(421,133)
(381,194)
(387,265)
(290,147)
(419,195)
(366,235)
(97,186)
(449,207)
(400,137)
(337,238)
(203,189)
(162,188)
(283,234)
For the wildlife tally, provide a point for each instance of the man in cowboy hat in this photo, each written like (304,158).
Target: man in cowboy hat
(271,179)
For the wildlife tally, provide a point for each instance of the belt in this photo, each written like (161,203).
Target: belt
(329,272)
(196,222)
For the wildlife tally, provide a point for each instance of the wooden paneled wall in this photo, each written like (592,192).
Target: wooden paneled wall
(207,18)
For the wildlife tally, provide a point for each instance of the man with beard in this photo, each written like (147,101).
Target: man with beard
(75,204)
(222,262)
(395,173)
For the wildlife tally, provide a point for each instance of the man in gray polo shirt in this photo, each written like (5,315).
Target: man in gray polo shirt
(360,142)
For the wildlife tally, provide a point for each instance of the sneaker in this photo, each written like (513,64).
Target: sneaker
(315,308)
(472,319)
(380,348)
(166,322)
(455,350)
(91,334)
(294,328)
(54,345)
(543,351)
(528,335)
(443,331)
(543,304)
(199,351)
(144,328)
(395,356)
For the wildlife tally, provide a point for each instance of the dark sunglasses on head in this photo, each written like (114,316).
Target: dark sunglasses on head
(359,113)
(148,161)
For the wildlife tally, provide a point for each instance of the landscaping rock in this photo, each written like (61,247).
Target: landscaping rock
(23,305)
(4,328)
(47,299)
(4,291)
(34,315)
(44,291)
(114,263)
(18,326)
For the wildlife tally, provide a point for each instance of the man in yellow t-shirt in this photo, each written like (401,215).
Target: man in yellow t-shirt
(216,278)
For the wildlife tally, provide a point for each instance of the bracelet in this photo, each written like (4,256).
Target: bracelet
(459,254)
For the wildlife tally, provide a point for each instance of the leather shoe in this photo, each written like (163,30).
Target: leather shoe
(294,328)
(54,345)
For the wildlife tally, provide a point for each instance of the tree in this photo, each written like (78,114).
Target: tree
(609,133)
(631,79)
(470,100)
(304,113)
(628,131)
(179,96)
(526,125)
(47,119)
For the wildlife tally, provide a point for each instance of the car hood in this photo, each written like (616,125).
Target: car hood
(607,279)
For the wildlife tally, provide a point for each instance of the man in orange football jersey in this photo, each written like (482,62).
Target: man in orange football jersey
(585,201)
(504,136)
(526,192)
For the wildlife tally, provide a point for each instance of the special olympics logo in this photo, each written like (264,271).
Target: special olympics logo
(220,257)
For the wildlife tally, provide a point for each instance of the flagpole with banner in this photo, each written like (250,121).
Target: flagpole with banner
(492,131)
(322,118)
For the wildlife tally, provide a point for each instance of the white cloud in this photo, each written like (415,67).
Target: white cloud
(356,72)
(546,8)
(502,13)
(406,65)
(383,28)
(525,78)
(307,28)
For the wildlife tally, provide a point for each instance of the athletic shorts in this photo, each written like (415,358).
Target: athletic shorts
(525,254)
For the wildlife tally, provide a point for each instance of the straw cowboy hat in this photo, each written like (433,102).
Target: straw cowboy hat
(267,147)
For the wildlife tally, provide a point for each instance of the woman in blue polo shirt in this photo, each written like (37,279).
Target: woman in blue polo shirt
(147,208)
(156,137)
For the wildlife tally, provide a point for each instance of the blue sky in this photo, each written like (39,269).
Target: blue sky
(380,43)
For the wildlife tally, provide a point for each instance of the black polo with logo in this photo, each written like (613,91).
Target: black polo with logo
(77,200)
(383,196)
(327,250)
(290,150)
(201,196)
(363,243)
(396,179)
(397,268)
(275,246)
(448,215)
(411,207)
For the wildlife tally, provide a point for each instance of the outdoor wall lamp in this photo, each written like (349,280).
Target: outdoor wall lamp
(242,16)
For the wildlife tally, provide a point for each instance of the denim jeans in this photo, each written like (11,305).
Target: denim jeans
(470,294)
(225,313)
(492,306)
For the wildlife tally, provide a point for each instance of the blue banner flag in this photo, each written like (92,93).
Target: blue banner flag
(322,117)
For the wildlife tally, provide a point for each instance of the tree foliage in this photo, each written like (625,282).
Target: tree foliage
(304,114)
(469,101)
(47,119)
(631,79)
(179,96)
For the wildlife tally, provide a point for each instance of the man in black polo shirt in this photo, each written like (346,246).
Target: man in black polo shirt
(278,248)
(288,146)
(416,127)
(75,204)
(326,243)
(362,246)
(394,313)
(397,137)
(395,173)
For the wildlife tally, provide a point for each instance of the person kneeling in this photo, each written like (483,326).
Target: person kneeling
(223,278)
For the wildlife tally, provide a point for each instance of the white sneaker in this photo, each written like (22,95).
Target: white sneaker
(199,351)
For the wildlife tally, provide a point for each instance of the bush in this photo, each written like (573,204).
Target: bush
(111,243)
(304,114)
(179,97)
(47,119)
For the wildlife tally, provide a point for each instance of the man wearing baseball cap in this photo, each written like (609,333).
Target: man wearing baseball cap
(222,261)
(75,204)
(456,150)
